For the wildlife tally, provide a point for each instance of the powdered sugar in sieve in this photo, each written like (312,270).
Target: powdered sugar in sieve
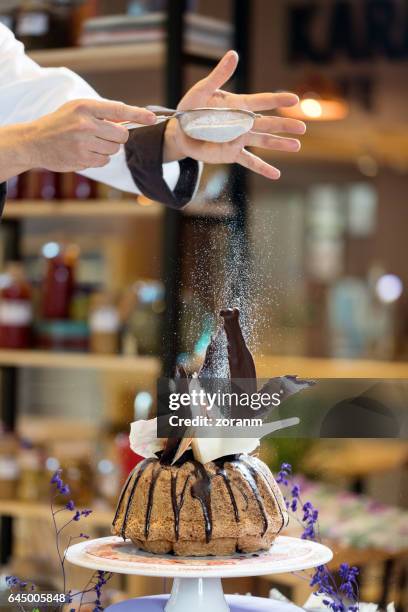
(216,124)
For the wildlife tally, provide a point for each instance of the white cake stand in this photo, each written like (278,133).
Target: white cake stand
(197,580)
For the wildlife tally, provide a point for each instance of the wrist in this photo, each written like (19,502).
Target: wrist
(25,150)
(171,149)
(32,145)
(15,153)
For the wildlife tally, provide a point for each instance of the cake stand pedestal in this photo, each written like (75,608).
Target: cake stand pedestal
(197,580)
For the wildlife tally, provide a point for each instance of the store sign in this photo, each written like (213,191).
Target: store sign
(320,32)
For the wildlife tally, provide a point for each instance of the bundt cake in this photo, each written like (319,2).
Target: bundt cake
(172,502)
(228,505)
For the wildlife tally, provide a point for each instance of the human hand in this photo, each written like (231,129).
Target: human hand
(207,92)
(81,134)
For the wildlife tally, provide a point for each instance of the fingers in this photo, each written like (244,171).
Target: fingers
(104,147)
(274,125)
(118,111)
(111,131)
(268,101)
(221,73)
(96,160)
(270,141)
(258,165)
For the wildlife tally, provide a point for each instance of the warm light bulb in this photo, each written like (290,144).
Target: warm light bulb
(311,108)
(144,201)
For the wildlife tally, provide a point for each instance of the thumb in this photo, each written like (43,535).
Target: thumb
(118,111)
(221,73)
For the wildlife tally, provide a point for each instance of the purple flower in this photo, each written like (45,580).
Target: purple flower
(81,513)
(296,491)
(56,478)
(326,586)
(13,581)
(283,474)
(323,581)
(60,485)
(310,518)
(100,578)
(349,585)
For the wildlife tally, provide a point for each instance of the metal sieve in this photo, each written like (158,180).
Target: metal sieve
(210,124)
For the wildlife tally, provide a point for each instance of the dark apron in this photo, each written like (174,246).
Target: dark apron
(3,191)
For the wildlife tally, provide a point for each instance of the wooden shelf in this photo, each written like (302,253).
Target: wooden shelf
(21,209)
(148,366)
(100,517)
(277,365)
(105,58)
(346,142)
(351,459)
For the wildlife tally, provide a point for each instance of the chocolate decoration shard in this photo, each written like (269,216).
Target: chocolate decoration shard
(170,451)
(286,386)
(207,369)
(241,362)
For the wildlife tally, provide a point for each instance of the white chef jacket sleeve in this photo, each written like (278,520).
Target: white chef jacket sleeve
(28,92)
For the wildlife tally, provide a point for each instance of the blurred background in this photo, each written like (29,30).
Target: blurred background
(113,290)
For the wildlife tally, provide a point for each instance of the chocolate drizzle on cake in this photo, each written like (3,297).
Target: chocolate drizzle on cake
(221,472)
(140,468)
(250,476)
(177,504)
(155,476)
(200,489)
(121,497)
(278,505)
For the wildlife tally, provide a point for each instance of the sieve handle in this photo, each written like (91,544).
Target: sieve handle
(131,126)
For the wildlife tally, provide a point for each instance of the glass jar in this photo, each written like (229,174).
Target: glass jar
(30,467)
(104,324)
(41,24)
(143,318)
(59,282)
(9,468)
(15,308)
